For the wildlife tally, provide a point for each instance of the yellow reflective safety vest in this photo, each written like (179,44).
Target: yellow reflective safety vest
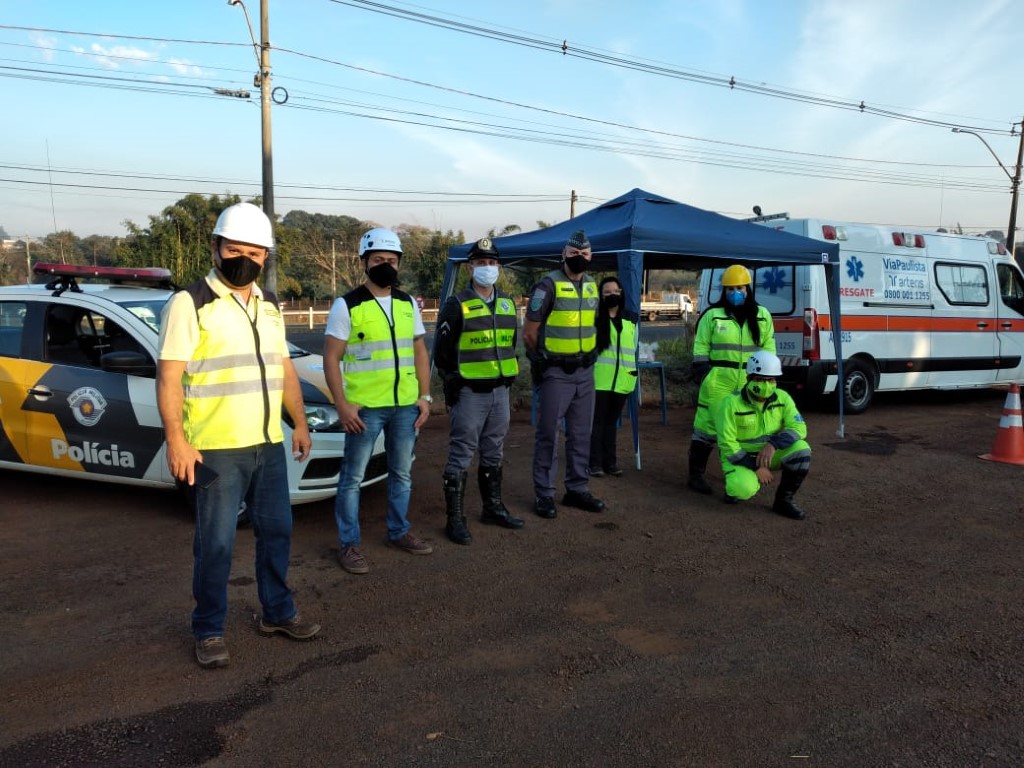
(615,368)
(569,329)
(234,383)
(486,348)
(379,367)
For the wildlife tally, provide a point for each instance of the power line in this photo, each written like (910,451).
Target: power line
(595,55)
(598,121)
(495,99)
(550,137)
(556,137)
(124,37)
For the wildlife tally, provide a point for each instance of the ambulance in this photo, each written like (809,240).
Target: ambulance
(919,310)
(78,386)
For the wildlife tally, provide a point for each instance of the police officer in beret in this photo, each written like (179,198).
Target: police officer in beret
(475,353)
(560,338)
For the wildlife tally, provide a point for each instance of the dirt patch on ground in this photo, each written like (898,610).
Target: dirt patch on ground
(671,630)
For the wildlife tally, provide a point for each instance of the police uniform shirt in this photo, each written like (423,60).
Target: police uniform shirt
(542,298)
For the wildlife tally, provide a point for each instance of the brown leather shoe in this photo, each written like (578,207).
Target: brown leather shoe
(412,545)
(352,560)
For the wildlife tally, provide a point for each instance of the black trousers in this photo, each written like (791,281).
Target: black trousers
(607,410)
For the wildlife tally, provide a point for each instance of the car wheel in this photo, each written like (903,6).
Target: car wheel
(858,388)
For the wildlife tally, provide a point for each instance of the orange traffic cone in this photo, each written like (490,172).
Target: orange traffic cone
(1009,445)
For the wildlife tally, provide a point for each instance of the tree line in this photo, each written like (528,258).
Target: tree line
(316,253)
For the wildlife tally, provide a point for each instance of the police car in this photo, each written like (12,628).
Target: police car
(78,392)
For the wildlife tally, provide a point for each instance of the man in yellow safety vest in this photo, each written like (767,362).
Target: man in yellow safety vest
(376,332)
(223,374)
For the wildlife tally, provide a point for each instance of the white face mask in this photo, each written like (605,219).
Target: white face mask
(486,276)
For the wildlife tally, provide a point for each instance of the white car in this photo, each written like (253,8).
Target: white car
(77,384)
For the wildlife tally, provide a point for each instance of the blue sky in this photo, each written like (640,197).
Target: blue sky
(110,115)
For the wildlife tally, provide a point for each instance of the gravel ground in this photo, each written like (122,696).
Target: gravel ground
(672,630)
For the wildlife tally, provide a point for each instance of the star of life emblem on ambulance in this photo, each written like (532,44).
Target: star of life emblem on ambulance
(87,405)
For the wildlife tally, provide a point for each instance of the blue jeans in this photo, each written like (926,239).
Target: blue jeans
(399,442)
(259,476)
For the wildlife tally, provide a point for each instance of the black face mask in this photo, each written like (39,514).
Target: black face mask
(240,271)
(614,300)
(577,264)
(383,275)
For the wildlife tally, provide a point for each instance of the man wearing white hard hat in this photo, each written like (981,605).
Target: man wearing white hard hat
(223,375)
(378,370)
(759,430)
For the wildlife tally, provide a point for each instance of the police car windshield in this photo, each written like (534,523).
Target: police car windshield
(147,311)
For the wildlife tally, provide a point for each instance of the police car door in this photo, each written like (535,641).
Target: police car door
(1010,322)
(94,421)
(16,376)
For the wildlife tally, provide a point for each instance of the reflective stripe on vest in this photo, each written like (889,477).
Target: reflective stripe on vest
(569,329)
(379,366)
(612,371)
(234,384)
(731,343)
(485,345)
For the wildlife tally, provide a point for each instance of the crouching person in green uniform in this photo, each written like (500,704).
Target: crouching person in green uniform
(760,430)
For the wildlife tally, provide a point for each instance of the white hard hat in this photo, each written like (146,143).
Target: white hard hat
(380,239)
(245,223)
(763,363)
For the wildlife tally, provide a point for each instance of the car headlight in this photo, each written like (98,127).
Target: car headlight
(322,418)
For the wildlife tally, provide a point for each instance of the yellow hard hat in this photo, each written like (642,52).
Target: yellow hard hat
(737,274)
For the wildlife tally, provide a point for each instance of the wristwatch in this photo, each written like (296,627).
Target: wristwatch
(428,397)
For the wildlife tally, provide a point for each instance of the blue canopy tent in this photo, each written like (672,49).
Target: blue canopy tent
(640,230)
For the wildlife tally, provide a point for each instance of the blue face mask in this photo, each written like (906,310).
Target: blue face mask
(485,276)
(736,298)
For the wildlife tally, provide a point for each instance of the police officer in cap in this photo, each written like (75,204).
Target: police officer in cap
(475,353)
(560,337)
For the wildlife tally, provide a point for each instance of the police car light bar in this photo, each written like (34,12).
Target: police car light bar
(141,275)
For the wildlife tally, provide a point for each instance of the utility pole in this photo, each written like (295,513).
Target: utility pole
(1014,190)
(268,155)
(28,264)
(262,79)
(334,278)
(572,204)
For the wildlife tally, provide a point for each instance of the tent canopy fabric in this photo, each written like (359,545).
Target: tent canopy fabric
(669,235)
(640,230)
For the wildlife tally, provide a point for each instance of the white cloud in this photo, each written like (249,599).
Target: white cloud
(114,57)
(47,45)
(185,68)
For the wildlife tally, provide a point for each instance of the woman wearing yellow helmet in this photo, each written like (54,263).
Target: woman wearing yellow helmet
(728,333)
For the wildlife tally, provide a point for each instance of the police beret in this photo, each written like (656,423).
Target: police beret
(578,239)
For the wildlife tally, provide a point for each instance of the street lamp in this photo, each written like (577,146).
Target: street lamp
(1014,181)
(262,79)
